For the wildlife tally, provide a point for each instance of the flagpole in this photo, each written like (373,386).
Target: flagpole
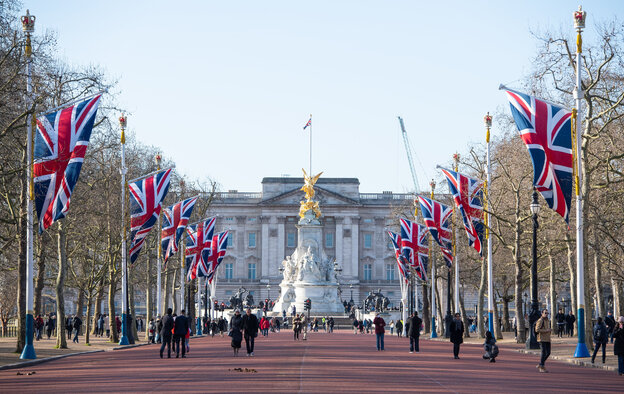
(124,262)
(581,347)
(72,102)
(151,173)
(434,332)
(28,352)
(488,125)
(158,159)
(198,316)
(182,271)
(310,144)
(456,159)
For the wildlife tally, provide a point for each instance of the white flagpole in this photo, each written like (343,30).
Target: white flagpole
(434,332)
(159,307)
(124,263)
(182,276)
(581,347)
(28,352)
(456,159)
(488,125)
(310,144)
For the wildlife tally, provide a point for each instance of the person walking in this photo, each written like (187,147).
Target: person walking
(490,347)
(296,327)
(151,330)
(38,327)
(236,324)
(399,328)
(618,344)
(560,318)
(570,319)
(379,323)
(250,331)
(165,333)
(180,329)
(457,334)
(356,324)
(50,325)
(610,323)
(76,323)
(412,327)
(391,325)
(601,337)
(69,326)
(543,330)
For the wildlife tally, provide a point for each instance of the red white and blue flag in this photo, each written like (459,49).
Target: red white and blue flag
(396,244)
(198,240)
(214,256)
(468,195)
(308,124)
(61,140)
(175,220)
(437,218)
(546,129)
(146,199)
(414,246)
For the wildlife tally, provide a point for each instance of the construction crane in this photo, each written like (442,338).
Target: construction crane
(408,150)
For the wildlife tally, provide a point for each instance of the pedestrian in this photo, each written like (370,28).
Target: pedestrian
(38,327)
(304,326)
(412,328)
(262,323)
(76,323)
(165,333)
(180,329)
(69,326)
(296,327)
(361,326)
(618,345)
(50,325)
(601,337)
(543,330)
(457,334)
(250,331)
(235,333)
(107,325)
(159,327)
(399,328)
(331,324)
(151,327)
(570,319)
(187,339)
(356,324)
(379,323)
(610,323)
(490,347)
(118,324)
(391,325)
(560,318)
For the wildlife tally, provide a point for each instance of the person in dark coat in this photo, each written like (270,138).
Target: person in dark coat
(412,328)
(250,331)
(618,344)
(399,328)
(165,333)
(560,318)
(77,324)
(457,334)
(236,325)
(180,329)
(570,319)
(380,331)
(601,337)
(491,350)
(610,323)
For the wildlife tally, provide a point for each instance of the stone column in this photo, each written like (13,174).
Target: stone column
(281,242)
(265,247)
(355,244)
(340,255)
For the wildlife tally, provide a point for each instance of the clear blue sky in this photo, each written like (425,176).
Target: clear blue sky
(225,87)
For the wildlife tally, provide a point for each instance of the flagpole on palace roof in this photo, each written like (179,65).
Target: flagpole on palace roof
(488,125)
(124,258)
(28,352)
(581,347)
(310,144)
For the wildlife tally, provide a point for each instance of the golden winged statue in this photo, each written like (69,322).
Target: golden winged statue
(308,188)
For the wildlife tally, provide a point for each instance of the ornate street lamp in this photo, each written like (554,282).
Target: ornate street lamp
(531,342)
(351,288)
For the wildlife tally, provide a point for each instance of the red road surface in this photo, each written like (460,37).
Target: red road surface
(328,363)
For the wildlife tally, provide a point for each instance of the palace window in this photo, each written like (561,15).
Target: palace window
(290,240)
(229,271)
(251,271)
(329,240)
(389,271)
(368,272)
(230,239)
(251,241)
(368,240)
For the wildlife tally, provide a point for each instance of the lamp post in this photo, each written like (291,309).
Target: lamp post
(28,352)
(434,333)
(531,342)
(123,122)
(488,125)
(351,288)
(268,295)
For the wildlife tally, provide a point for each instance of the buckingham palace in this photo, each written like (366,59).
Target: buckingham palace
(262,227)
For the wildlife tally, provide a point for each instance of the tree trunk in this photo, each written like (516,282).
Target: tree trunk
(572,272)
(497,328)
(440,316)
(40,280)
(80,303)
(426,317)
(148,294)
(174,292)
(133,328)
(617,297)
(598,280)
(551,291)
(97,305)
(482,285)
(21,270)
(112,289)
(506,326)
(87,318)
(61,339)
(462,309)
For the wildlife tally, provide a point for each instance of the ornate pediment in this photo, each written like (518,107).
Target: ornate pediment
(323,196)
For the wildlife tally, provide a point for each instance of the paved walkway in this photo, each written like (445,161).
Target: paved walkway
(324,363)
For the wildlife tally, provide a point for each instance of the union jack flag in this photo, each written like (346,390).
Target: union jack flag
(175,219)
(308,124)
(468,195)
(214,256)
(414,247)
(546,129)
(438,220)
(61,140)
(396,244)
(198,240)
(145,205)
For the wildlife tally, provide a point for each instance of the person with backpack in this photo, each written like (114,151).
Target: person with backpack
(490,347)
(601,337)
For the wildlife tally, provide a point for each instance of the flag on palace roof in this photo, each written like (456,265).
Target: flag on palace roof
(175,219)
(198,240)
(437,218)
(61,140)
(414,246)
(308,124)
(546,129)
(146,199)
(402,264)
(468,196)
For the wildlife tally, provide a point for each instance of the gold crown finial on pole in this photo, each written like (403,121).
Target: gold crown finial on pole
(579,19)
(28,22)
